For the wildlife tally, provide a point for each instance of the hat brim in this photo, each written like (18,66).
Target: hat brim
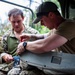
(37,20)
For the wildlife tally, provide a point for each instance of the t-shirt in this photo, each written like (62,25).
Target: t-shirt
(67,30)
(10,41)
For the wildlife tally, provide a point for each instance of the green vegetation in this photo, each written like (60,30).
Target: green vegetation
(5,26)
(40,28)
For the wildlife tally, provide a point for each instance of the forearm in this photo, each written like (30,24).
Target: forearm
(0,59)
(47,44)
(43,45)
(38,36)
(2,53)
(36,46)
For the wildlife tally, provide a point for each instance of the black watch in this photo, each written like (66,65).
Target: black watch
(25,44)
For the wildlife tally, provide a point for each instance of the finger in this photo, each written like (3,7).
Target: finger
(18,51)
(9,58)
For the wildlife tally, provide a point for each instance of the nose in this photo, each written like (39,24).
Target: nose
(16,23)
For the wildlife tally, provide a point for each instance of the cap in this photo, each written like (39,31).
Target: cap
(44,9)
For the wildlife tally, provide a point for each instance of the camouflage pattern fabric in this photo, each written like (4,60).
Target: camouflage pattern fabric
(8,44)
(31,71)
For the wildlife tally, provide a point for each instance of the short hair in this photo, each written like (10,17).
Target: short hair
(15,12)
(44,9)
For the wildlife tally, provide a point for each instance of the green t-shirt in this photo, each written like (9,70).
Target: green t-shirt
(10,42)
(67,30)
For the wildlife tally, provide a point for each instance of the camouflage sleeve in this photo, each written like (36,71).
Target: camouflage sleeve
(34,31)
(3,47)
(4,43)
(31,30)
(0,50)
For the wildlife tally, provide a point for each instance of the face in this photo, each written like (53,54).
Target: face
(47,21)
(17,22)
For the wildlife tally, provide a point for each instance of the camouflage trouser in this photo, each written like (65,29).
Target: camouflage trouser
(2,73)
(25,69)
(29,71)
(3,69)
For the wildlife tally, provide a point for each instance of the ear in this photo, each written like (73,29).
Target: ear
(23,17)
(51,14)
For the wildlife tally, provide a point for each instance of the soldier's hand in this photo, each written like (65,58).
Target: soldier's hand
(20,48)
(25,37)
(7,58)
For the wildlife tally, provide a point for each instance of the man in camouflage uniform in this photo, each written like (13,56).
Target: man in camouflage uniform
(10,41)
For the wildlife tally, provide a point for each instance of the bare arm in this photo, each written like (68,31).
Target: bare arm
(25,37)
(47,44)
(43,45)
(39,36)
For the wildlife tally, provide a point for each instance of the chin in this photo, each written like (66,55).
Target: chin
(17,30)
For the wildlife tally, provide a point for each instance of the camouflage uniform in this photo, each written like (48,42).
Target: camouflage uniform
(9,44)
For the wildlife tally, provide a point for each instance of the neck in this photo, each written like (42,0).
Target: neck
(18,33)
(20,30)
(60,20)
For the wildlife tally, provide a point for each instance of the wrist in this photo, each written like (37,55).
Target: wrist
(24,45)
